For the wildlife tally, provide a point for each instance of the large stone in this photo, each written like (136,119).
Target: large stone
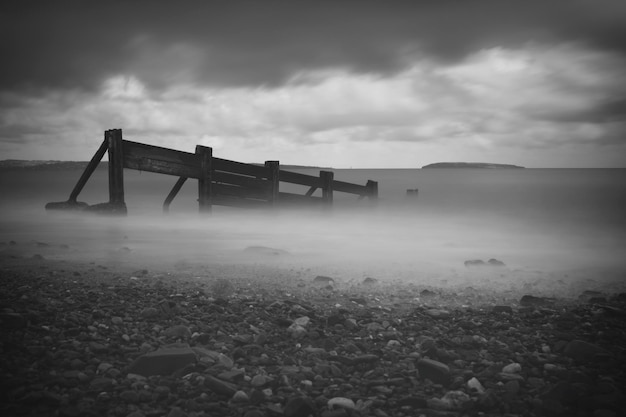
(436,371)
(163,361)
(300,407)
(582,351)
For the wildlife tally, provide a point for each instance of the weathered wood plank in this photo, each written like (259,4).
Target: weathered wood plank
(116,166)
(161,167)
(205,186)
(226,165)
(240,180)
(136,149)
(223,200)
(175,189)
(273,181)
(91,167)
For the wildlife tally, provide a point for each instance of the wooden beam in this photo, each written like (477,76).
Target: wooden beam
(326,178)
(91,167)
(205,156)
(175,189)
(273,178)
(372,186)
(150,158)
(310,192)
(116,166)
(241,168)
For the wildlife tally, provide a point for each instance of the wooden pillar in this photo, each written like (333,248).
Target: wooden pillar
(205,160)
(326,178)
(273,178)
(373,189)
(113,138)
(175,189)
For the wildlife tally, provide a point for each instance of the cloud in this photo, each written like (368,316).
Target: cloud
(77,44)
(531,98)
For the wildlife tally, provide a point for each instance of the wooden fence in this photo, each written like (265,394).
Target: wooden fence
(220,181)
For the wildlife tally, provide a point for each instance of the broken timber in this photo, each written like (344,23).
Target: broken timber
(220,181)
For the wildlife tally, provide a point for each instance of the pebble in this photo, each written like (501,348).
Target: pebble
(341,402)
(436,371)
(512,368)
(582,351)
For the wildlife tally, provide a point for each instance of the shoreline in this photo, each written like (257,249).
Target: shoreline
(265,339)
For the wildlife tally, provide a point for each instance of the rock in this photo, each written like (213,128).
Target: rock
(452,400)
(149,312)
(240,397)
(341,402)
(512,368)
(102,384)
(370,281)
(427,293)
(474,262)
(296,331)
(176,412)
(163,361)
(474,384)
(302,321)
(532,301)
(300,407)
(265,251)
(437,313)
(479,262)
(130,396)
(512,387)
(436,371)
(219,387)
(323,280)
(502,309)
(12,321)
(178,331)
(495,262)
(259,381)
(582,351)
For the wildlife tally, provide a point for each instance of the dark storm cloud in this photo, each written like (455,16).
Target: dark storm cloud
(77,44)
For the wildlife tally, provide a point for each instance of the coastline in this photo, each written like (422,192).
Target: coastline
(73,330)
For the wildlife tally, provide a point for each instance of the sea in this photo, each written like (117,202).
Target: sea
(556,230)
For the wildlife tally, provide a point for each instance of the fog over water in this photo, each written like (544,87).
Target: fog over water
(543,224)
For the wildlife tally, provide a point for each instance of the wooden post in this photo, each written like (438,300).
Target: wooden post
(373,189)
(116,167)
(175,189)
(326,178)
(205,160)
(273,177)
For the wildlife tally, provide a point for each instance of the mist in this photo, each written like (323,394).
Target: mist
(543,237)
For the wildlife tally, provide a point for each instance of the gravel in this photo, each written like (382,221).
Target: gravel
(89,340)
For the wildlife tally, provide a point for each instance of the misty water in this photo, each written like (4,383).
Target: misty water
(546,225)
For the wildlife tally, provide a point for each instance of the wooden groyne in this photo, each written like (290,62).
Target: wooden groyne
(220,181)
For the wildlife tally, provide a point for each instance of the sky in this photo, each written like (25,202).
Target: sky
(347,84)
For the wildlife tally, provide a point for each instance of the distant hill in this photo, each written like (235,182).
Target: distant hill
(36,165)
(471,165)
(19,164)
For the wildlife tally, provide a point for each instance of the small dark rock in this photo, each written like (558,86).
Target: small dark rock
(436,371)
(370,281)
(300,407)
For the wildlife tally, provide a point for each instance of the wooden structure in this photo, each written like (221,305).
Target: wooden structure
(220,181)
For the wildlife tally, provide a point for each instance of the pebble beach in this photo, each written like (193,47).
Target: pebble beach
(94,339)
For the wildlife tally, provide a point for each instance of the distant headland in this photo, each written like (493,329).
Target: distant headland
(471,165)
